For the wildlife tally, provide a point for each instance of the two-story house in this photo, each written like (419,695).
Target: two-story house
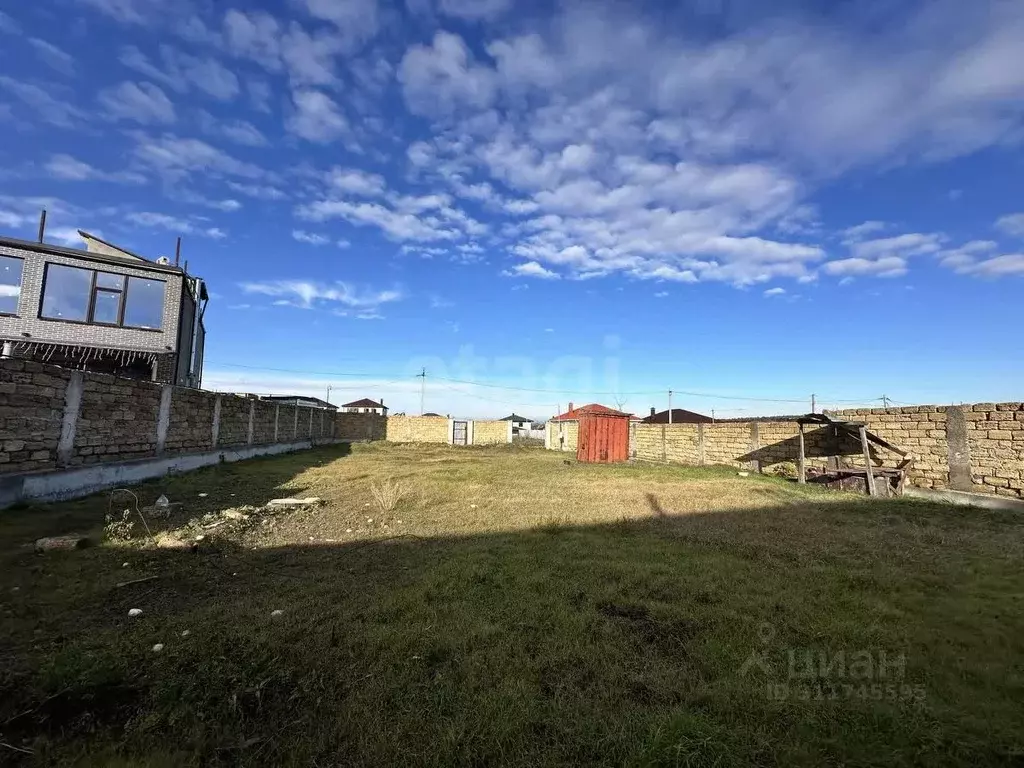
(365,406)
(102,308)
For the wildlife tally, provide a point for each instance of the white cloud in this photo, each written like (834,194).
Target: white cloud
(51,55)
(914,244)
(862,230)
(1000,266)
(129,11)
(308,294)
(356,182)
(316,117)
(531,269)
(68,168)
(1012,224)
(174,156)
(394,224)
(888,266)
(243,132)
(310,238)
(150,219)
(775,292)
(182,72)
(356,20)
(56,111)
(257,191)
(141,102)
(474,10)
(9,25)
(260,94)
(442,76)
(255,36)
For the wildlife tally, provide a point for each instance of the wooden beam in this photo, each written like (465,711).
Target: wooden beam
(801,476)
(867,460)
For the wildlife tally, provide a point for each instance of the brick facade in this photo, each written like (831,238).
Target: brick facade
(416,429)
(490,432)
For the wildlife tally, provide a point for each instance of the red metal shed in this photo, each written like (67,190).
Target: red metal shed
(603,435)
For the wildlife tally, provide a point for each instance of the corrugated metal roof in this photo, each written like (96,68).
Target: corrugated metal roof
(595,408)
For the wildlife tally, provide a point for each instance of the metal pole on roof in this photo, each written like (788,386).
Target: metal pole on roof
(177,252)
(814,404)
(423,388)
(42,224)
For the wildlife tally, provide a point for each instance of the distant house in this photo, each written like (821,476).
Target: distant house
(365,406)
(431,413)
(101,308)
(303,400)
(520,424)
(678,416)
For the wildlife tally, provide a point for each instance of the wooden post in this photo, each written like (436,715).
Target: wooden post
(801,468)
(867,461)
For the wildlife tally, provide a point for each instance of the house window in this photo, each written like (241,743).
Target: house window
(102,298)
(10,284)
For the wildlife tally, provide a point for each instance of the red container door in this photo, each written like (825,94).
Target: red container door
(603,439)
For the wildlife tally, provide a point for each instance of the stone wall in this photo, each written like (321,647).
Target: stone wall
(490,432)
(976,448)
(562,435)
(361,426)
(31,408)
(416,429)
(53,418)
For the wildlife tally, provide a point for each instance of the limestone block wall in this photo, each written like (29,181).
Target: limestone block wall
(116,418)
(234,421)
(361,426)
(416,429)
(264,419)
(562,435)
(490,432)
(52,418)
(31,407)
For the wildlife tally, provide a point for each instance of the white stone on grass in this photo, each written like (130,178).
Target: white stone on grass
(134,613)
(158,647)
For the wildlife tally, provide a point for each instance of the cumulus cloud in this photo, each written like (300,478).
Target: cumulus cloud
(440,77)
(311,238)
(174,157)
(775,292)
(1012,224)
(176,224)
(888,266)
(58,111)
(316,117)
(531,269)
(474,10)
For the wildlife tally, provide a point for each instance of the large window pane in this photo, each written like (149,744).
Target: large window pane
(10,284)
(107,307)
(144,305)
(66,293)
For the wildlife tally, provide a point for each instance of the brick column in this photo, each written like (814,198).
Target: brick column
(163,422)
(959,450)
(215,431)
(69,420)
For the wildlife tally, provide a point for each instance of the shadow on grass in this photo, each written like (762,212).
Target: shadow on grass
(620,644)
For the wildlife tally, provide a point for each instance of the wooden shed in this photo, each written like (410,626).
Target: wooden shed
(603,436)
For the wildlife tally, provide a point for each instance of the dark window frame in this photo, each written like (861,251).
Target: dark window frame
(21,286)
(94,289)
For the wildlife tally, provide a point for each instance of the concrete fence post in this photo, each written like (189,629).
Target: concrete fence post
(163,421)
(295,426)
(664,444)
(755,444)
(700,445)
(277,420)
(311,423)
(508,434)
(69,420)
(252,422)
(216,421)
(959,450)
(322,412)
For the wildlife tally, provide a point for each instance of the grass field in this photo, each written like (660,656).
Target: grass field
(514,609)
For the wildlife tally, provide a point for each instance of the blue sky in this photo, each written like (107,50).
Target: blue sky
(602,201)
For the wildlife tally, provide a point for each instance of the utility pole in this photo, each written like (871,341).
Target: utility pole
(814,404)
(328,393)
(670,406)
(423,389)
(712,415)
(885,401)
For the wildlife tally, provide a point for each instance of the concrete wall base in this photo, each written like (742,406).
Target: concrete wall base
(82,481)
(964,499)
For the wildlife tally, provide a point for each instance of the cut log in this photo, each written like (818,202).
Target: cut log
(69,541)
